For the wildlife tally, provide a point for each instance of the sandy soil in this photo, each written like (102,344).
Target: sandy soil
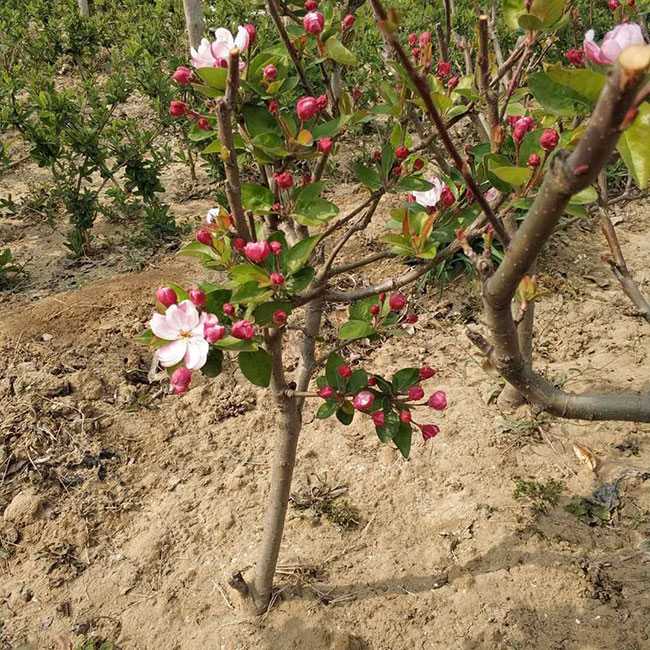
(126,509)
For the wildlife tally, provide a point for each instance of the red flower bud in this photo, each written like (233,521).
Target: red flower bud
(276,247)
(181,379)
(397,170)
(228,308)
(426,372)
(238,244)
(413,39)
(274,107)
(444,68)
(277,207)
(214,333)
(284,180)
(363,401)
(402,153)
(321,102)
(405,416)
(243,329)
(279,317)
(166,296)
(182,75)
(372,381)
(416,51)
(534,161)
(257,251)
(452,83)
(204,236)
(429,431)
(203,124)
(549,139)
(252,33)
(325,145)
(374,310)
(348,21)
(306,108)
(311,5)
(378,418)
(376,154)
(412,319)
(382,296)
(397,301)
(438,401)
(177,109)
(270,72)
(325,392)
(613,4)
(416,392)
(447,197)
(344,371)
(277,279)
(425,38)
(313,22)
(575,57)
(306,179)
(418,164)
(197,297)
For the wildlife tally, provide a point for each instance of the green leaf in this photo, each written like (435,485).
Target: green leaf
(197,249)
(250,292)
(314,211)
(634,147)
(338,52)
(333,378)
(298,281)
(259,121)
(233,344)
(368,176)
(357,381)
(588,195)
(242,273)
(298,255)
(558,98)
(270,143)
(215,300)
(264,313)
(214,364)
(403,439)
(515,176)
(512,9)
(214,77)
(328,129)
(413,184)
(588,83)
(405,378)
(361,310)
(213,147)
(390,428)
(256,198)
(256,366)
(355,329)
(327,409)
(344,417)
(145,338)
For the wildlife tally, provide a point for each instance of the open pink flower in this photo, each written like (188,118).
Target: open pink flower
(215,55)
(183,327)
(429,198)
(614,42)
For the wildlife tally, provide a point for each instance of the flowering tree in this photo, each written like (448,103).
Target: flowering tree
(279,242)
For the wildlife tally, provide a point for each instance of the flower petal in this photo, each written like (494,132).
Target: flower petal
(172,353)
(242,39)
(223,35)
(197,353)
(163,328)
(187,315)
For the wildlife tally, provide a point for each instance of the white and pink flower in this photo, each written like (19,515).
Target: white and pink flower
(430,198)
(215,54)
(183,327)
(614,42)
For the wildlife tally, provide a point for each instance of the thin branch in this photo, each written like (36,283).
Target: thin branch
(442,43)
(514,83)
(483,65)
(224,107)
(422,86)
(348,217)
(510,61)
(364,261)
(447,4)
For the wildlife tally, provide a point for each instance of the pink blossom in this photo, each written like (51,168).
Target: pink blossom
(614,42)
(429,431)
(183,327)
(325,392)
(215,55)
(243,329)
(167,296)
(182,75)
(438,401)
(313,22)
(276,247)
(426,372)
(405,416)
(378,418)
(306,108)
(363,401)
(257,251)
(181,379)
(429,198)
(416,392)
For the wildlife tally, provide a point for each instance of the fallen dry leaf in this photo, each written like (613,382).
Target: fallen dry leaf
(585,456)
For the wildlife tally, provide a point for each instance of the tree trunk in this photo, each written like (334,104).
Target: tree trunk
(84,8)
(194,21)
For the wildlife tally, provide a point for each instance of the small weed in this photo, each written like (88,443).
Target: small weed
(540,495)
(640,516)
(95,645)
(321,499)
(9,270)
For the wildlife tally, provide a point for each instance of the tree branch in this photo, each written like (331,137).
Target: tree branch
(483,65)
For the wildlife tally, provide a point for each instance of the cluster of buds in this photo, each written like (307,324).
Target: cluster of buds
(520,127)
(307,107)
(314,21)
(396,304)
(180,109)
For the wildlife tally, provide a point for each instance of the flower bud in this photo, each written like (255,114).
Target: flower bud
(321,102)
(397,170)
(277,207)
(413,39)
(429,431)
(613,4)
(426,372)
(277,279)
(412,319)
(257,251)
(528,5)
(204,236)
(214,333)
(363,401)
(325,392)
(181,379)
(447,197)
(203,124)
(549,139)
(311,5)
(325,145)
(252,33)
(348,21)
(344,371)
(575,57)
(177,109)
(438,401)
(425,38)
(397,301)
(276,247)
(313,22)
(228,308)
(444,68)
(418,164)
(534,161)
(243,329)
(374,310)
(270,72)
(197,297)
(382,296)
(182,75)
(166,296)
(416,51)
(520,130)
(401,153)
(274,106)
(452,83)
(372,381)
(306,108)
(376,154)
(378,418)
(279,317)
(284,180)
(416,392)
(405,416)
